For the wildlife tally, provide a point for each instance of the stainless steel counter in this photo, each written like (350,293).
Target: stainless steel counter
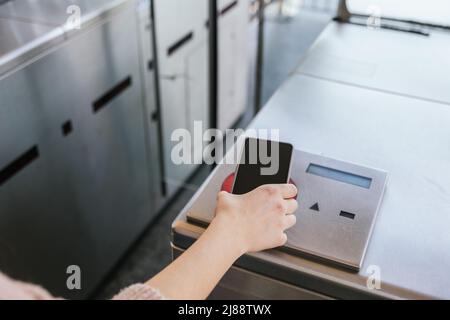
(390,61)
(16,34)
(52,12)
(30,27)
(21,41)
(410,139)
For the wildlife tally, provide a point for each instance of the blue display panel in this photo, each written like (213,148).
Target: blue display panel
(340,176)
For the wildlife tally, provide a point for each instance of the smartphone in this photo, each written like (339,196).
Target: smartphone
(262,162)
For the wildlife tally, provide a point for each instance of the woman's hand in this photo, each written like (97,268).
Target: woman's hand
(258,220)
(252,222)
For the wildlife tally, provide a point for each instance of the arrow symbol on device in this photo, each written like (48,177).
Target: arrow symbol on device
(315,207)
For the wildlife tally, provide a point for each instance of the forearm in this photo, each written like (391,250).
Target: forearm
(197,272)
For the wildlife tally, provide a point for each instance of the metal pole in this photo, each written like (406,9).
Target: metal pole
(213,64)
(280,7)
(213,67)
(343,14)
(159,112)
(260,57)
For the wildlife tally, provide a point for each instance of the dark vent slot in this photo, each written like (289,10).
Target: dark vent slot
(67,128)
(111,95)
(177,45)
(151,65)
(17,165)
(348,215)
(228,7)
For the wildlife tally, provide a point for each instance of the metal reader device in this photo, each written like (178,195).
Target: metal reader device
(338,206)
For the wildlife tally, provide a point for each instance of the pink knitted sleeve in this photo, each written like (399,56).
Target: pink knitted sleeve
(139,292)
(16,290)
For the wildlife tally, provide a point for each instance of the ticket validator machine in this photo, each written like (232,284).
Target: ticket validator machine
(338,205)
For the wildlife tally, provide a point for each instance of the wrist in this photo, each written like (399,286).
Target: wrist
(225,231)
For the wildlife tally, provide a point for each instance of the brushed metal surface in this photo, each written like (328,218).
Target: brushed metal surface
(390,61)
(87,196)
(183,76)
(15,34)
(240,284)
(435,11)
(54,12)
(322,234)
(408,138)
(147,68)
(234,46)
(35,27)
(20,41)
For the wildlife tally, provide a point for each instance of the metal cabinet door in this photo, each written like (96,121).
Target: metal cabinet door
(148,76)
(182,46)
(233,60)
(87,196)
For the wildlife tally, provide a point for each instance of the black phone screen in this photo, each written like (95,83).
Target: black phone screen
(262,162)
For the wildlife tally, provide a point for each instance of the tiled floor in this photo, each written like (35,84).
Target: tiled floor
(287,39)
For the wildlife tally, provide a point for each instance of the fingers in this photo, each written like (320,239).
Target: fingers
(283,240)
(291,206)
(288,191)
(289,221)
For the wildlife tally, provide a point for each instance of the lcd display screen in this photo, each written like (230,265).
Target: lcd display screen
(340,176)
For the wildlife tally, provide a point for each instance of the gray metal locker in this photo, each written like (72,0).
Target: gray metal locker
(182,48)
(233,62)
(74,186)
(148,69)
